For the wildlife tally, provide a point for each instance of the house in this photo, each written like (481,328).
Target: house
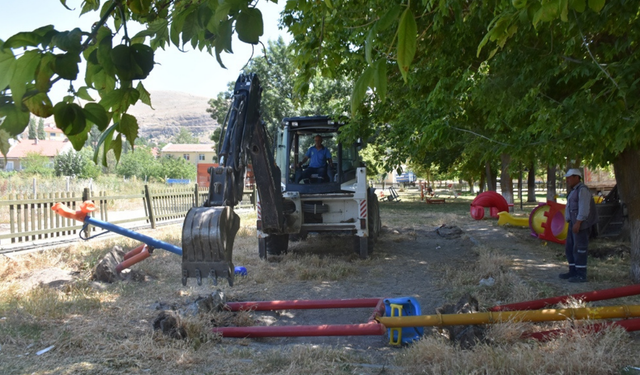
(19,151)
(193,153)
(53,133)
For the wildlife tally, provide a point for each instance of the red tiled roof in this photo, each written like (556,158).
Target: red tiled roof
(43,147)
(188,148)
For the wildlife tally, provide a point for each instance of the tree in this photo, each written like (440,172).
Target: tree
(78,164)
(32,128)
(172,167)
(140,163)
(280,99)
(31,62)
(36,164)
(41,133)
(185,137)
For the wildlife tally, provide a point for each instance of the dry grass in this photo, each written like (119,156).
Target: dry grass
(574,353)
(106,329)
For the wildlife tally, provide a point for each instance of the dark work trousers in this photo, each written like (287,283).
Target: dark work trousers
(576,248)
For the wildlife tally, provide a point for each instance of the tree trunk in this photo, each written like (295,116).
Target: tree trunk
(626,169)
(551,183)
(491,186)
(531,183)
(470,182)
(481,183)
(506,182)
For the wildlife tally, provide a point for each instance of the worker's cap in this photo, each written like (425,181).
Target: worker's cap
(573,172)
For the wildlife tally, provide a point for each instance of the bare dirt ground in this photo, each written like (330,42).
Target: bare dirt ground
(414,257)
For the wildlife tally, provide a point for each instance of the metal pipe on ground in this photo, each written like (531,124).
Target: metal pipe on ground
(304,304)
(546,315)
(596,295)
(628,324)
(368,329)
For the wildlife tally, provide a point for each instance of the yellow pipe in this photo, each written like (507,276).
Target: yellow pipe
(507,218)
(547,315)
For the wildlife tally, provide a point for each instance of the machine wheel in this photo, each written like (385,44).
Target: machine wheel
(277,244)
(297,237)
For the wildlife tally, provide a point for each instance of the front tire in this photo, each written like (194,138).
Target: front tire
(277,244)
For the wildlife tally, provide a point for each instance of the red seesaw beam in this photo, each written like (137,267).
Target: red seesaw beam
(368,329)
(596,295)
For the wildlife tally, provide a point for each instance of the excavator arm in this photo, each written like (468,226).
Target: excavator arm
(208,232)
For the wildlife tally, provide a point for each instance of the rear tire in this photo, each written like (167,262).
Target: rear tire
(277,244)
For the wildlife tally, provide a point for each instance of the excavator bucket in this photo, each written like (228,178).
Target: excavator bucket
(207,243)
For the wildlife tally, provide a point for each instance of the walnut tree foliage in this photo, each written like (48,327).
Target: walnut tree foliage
(116,63)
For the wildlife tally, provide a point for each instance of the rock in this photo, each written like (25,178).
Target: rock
(449,231)
(105,270)
(213,302)
(468,335)
(169,323)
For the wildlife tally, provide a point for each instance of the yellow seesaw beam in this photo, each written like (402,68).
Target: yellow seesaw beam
(507,218)
(547,315)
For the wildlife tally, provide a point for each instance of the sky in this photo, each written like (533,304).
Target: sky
(193,72)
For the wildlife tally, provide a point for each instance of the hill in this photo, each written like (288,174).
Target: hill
(171,111)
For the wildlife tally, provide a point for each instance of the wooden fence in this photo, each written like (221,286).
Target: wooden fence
(31,217)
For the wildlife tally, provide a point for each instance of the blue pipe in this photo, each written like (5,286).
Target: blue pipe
(150,241)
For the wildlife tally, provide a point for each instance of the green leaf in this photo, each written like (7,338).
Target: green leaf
(564,10)
(380,78)
(596,5)
(368,44)
(69,41)
(39,104)
(360,88)
(519,4)
(116,146)
(28,39)
(90,5)
(129,127)
(15,120)
(78,140)
(4,143)
(329,4)
(69,118)
(547,12)
(105,142)
(579,5)
(145,97)
(139,6)
(96,113)
(407,34)
(249,25)
(25,71)
(7,67)
(45,72)
(113,99)
(389,18)
(142,56)
(83,93)
(66,66)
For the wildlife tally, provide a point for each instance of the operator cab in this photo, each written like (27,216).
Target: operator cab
(298,135)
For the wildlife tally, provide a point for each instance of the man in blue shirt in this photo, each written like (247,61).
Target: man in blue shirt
(319,156)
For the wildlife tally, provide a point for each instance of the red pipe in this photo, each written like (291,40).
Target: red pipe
(369,329)
(304,304)
(629,325)
(142,255)
(133,252)
(596,295)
